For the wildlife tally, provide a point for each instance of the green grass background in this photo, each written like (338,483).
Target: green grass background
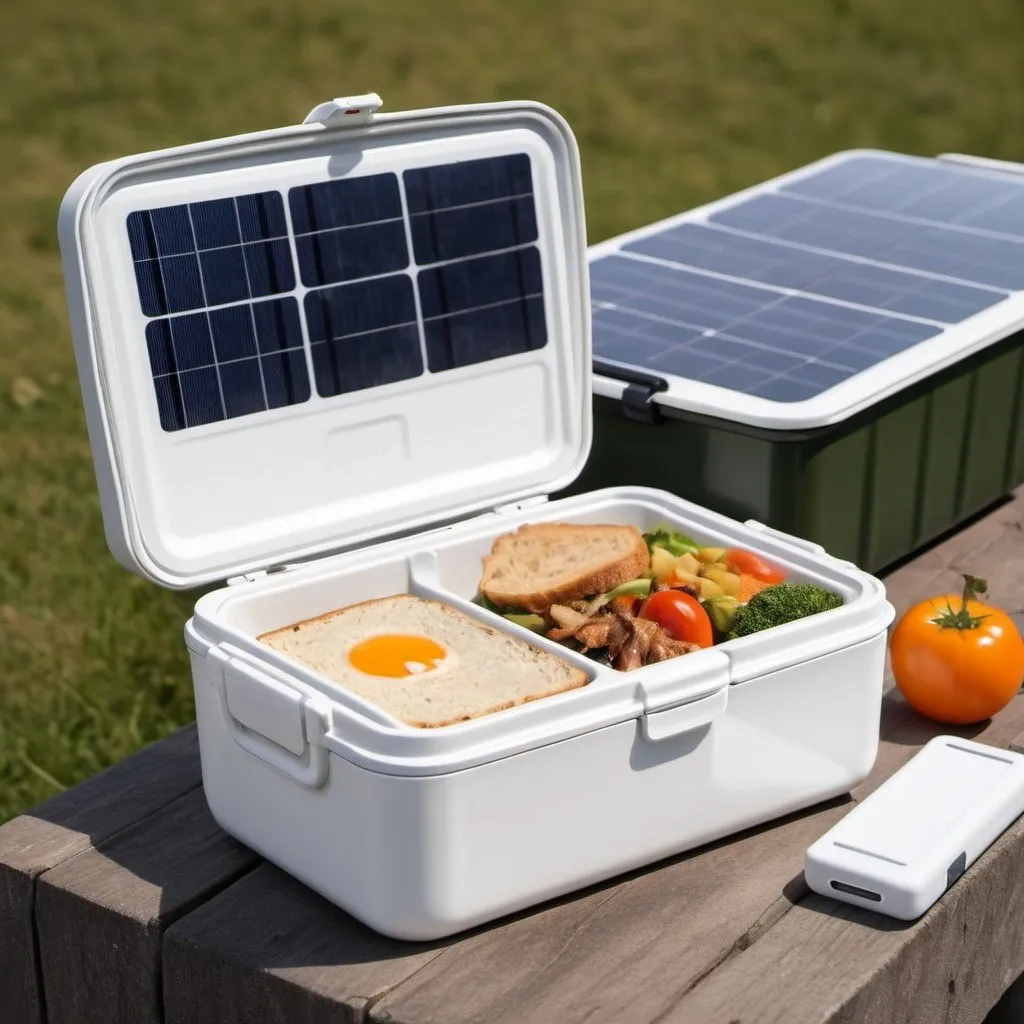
(674,102)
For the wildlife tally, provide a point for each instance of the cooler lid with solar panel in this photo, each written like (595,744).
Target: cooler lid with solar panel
(311,338)
(809,298)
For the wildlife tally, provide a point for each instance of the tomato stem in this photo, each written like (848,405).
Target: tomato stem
(962,619)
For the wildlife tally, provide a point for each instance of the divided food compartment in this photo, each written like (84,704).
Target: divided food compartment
(446,566)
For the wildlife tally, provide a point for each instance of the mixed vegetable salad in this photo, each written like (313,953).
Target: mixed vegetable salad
(690,598)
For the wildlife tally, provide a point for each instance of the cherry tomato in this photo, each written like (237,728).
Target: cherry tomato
(956,660)
(680,615)
(746,563)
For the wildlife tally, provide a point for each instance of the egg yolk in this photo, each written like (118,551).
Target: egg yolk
(396,656)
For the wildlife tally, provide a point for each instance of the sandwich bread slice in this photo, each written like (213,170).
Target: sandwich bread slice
(553,563)
(438,666)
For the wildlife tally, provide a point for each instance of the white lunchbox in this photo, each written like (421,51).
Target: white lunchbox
(335,361)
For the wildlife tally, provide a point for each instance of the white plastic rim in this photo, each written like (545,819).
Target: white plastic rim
(189,507)
(445,566)
(852,396)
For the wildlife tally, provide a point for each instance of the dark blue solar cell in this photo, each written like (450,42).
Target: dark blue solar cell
(183,286)
(358,308)
(344,203)
(842,177)
(684,362)
(479,282)
(785,389)
(193,347)
(172,228)
(352,253)
(929,191)
(995,262)
(735,376)
(261,216)
(768,359)
(192,257)
(206,366)
(168,402)
(468,230)
(233,333)
(161,348)
(200,396)
(277,325)
(141,237)
(269,267)
(151,288)
(285,378)
(242,384)
(224,276)
(363,335)
(490,332)
(759,336)
(469,181)
(215,224)
(814,273)
(822,374)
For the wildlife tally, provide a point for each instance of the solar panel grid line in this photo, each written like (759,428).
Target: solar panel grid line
(852,257)
(839,204)
(781,289)
(252,314)
(407,226)
(202,285)
(927,249)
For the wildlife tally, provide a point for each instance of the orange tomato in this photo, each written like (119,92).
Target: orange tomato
(956,660)
(746,563)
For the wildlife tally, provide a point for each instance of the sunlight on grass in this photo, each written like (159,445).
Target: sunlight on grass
(674,103)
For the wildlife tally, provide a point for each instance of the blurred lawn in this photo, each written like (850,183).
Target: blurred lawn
(674,102)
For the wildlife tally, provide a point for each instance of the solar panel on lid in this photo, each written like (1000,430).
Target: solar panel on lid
(837,271)
(430,271)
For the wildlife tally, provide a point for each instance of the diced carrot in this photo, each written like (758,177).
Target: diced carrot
(749,586)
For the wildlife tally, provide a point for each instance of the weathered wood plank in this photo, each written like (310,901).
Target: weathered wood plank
(64,826)
(268,950)
(100,916)
(653,938)
(829,962)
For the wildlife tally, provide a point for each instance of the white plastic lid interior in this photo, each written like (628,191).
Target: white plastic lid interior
(313,337)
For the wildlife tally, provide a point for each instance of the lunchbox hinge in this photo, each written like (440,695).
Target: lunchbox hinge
(345,111)
(257,574)
(638,398)
(512,507)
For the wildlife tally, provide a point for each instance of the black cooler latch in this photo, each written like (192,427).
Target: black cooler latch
(638,398)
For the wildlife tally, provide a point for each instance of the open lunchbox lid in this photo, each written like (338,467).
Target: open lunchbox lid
(806,299)
(310,338)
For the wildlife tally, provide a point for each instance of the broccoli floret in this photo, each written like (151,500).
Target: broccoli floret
(781,603)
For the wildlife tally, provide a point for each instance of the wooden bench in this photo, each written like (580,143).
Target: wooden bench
(121,902)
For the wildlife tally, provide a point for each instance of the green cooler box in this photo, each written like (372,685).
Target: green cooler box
(836,353)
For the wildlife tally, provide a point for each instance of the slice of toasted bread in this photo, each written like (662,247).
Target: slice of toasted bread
(551,563)
(485,671)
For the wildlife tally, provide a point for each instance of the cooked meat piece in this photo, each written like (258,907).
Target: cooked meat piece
(567,618)
(634,652)
(597,632)
(583,607)
(663,647)
(560,634)
(659,585)
(620,633)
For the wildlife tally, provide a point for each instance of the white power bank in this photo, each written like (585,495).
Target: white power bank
(900,849)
